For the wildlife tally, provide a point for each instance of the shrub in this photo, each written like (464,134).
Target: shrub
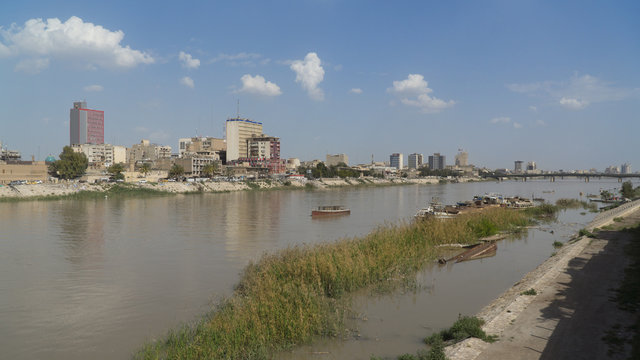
(557,244)
(529,292)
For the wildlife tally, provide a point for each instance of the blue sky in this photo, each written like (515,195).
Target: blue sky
(545,81)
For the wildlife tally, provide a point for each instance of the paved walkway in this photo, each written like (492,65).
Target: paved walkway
(572,311)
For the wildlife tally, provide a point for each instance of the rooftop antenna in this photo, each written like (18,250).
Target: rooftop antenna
(238,114)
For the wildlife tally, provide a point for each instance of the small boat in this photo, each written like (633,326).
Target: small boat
(437,210)
(330,210)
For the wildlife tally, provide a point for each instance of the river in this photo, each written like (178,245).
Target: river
(98,278)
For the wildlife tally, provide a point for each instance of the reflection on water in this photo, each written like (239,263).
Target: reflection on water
(97,278)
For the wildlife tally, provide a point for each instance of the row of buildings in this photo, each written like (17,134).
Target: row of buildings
(435,161)
(245,146)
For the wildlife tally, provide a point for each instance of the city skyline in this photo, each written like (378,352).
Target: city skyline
(505,81)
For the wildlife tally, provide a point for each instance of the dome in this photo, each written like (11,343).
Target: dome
(49,159)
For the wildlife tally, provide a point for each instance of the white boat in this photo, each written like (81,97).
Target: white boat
(435,210)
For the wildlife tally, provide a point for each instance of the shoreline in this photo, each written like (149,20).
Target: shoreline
(62,191)
(501,313)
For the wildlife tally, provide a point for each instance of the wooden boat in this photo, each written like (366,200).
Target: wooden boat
(330,210)
(479,251)
(437,210)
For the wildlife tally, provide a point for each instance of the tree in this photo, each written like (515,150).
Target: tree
(116,171)
(176,171)
(208,170)
(628,191)
(71,164)
(145,169)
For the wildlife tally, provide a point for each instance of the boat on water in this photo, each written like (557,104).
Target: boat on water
(437,210)
(330,210)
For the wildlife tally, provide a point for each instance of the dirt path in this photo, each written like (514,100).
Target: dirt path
(572,310)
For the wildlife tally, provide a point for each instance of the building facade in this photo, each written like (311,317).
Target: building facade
(437,162)
(102,155)
(23,170)
(396,160)
(334,160)
(238,131)
(625,168)
(263,147)
(201,146)
(517,167)
(415,161)
(86,126)
(462,158)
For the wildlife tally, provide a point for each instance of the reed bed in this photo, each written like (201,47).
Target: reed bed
(294,295)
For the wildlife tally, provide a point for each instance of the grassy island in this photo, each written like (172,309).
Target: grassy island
(294,295)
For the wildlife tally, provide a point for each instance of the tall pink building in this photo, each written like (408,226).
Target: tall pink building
(86,126)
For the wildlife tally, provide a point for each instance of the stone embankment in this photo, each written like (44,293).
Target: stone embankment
(61,189)
(506,316)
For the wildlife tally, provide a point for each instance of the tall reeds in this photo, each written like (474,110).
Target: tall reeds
(296,294)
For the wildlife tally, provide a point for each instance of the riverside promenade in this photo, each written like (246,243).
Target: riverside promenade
(572,309)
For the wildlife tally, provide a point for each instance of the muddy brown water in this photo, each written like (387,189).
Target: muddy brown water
(98,278)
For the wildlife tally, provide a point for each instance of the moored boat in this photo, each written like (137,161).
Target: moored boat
(330,210)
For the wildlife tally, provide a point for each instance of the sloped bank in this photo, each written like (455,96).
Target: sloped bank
(504,310)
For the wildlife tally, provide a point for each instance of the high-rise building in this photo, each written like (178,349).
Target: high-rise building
(415,161)
(396,160)
(238,132)
(336,159)
(531,166)
(437,161)
(86,126)
(462,158)
(625,168)
(517,168)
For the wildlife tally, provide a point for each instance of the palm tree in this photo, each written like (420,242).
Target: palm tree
(145,169)
(176,171)
(208,170)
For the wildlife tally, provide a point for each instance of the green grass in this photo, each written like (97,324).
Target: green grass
(529,292)
(575,204)
(297,294)
(557,244)
(587,233)
(116,190)
(465,327)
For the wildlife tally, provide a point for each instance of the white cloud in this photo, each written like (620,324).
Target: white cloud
(414,91)
(540,123)
(577,93)
(501,120)
(71,40)
(356,91)
(517,125)
(533,108)
(309,73)
(187,81)
(241,59)
(258,85)
(573,104)
(188,61)
(32,66)
(93,88)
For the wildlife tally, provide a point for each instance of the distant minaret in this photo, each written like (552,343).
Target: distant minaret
(371,159)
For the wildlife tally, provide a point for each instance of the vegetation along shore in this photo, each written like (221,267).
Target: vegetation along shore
(297,294)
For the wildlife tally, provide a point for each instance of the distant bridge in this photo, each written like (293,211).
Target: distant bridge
(561,175)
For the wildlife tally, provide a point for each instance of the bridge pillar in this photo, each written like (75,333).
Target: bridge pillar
(619,179)
(586,179)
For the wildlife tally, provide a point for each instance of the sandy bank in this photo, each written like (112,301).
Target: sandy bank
(44,190)
(515,317)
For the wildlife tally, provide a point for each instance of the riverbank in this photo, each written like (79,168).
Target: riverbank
(62,190)
(570,309)
(297,294)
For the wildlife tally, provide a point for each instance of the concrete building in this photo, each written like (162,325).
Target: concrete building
(238,131)
(193,165)
(612,170)
(86,126)
(201,146)
(147,152)
(531,166)
(415,161)
(437,161)
(333,160)
(23,170)
(396,160)
(517,168)
(263,147)
(625,168)
(102,155)
(9,155)
(462,158)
